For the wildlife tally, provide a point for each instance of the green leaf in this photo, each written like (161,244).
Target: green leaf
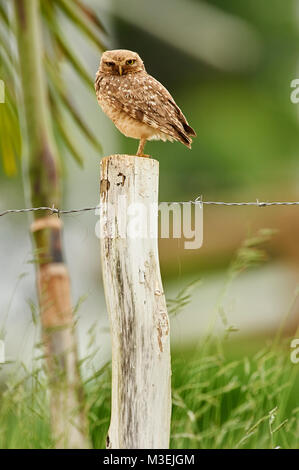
(91,15)
(69,54)
(3,15)
(73,11)
(59,94)
(9,139)
(65,136)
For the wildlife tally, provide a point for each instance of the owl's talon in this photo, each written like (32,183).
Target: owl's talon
(143,155)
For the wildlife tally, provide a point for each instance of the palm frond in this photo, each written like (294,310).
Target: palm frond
(3,15)
(57,49)
(83,19)
(10,144)
(64,135)
(91,15)
(59,94)
(10,141)
(59,38)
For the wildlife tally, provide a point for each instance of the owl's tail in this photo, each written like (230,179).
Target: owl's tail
(189,130)
(184,137)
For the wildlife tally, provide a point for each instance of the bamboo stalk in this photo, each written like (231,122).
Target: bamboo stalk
(42,175)
(141,371)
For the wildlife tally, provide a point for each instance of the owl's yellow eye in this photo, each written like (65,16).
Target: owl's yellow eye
(130,61)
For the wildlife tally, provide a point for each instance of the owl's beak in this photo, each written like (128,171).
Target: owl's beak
(120,70)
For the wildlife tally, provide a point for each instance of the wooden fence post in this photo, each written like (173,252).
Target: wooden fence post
(141,369)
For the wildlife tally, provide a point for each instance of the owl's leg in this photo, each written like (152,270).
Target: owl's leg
(141,148)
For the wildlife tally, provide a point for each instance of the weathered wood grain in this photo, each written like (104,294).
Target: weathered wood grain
(141,370)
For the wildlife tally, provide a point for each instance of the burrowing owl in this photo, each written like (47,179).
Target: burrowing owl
(139,105)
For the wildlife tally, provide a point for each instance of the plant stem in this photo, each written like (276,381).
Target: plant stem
(43,177)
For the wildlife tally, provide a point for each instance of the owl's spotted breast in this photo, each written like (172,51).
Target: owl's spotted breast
(129,119)
(140,106)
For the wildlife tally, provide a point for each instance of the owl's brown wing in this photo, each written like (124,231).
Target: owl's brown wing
(146,100)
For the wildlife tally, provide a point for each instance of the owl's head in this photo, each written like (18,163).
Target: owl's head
(121,62)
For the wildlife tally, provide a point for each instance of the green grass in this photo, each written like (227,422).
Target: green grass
(222,398)
(227,393)
(225,399)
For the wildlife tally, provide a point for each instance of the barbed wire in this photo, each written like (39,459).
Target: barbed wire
(198,200)
(53,210)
